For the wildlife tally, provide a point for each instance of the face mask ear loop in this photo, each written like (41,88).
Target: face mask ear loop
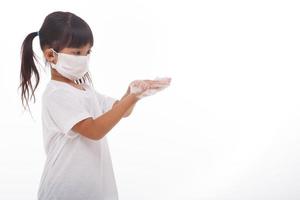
(54,51)
(51,64)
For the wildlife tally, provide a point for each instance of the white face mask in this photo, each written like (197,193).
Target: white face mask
(71,66)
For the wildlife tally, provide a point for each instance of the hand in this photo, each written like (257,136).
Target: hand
(143,88)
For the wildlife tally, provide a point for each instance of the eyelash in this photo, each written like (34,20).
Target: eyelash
(78,52)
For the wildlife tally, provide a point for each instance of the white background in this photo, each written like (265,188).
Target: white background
(228,127)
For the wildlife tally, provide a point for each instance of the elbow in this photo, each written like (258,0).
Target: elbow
(96,136)
(91,129)
(96,133)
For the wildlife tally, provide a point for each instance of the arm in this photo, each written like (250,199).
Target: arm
(97,128)
(129,111)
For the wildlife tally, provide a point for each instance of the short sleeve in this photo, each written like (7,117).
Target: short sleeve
(105,101)
(66,109)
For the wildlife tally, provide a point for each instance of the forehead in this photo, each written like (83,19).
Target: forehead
(83,48)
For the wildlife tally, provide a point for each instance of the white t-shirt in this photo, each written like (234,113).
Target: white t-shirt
(76,168)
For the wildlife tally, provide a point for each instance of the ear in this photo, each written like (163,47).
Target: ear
(50,55)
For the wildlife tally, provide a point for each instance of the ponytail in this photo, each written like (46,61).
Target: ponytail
(28,68)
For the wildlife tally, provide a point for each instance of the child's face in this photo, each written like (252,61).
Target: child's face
(82,51)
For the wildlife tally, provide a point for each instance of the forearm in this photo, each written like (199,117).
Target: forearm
(109,119)
(129,111)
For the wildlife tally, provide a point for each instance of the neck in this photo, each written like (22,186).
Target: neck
(56,76)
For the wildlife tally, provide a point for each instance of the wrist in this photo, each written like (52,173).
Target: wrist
(133,97)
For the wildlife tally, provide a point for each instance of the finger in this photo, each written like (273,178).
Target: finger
(152,81)
(155,88)
(161,81)
(160,85)
(166,79)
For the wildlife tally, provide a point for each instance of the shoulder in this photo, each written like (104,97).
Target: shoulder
(58,92)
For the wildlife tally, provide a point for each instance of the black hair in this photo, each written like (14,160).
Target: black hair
(59,30)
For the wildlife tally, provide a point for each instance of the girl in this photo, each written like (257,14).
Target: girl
(75,117)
